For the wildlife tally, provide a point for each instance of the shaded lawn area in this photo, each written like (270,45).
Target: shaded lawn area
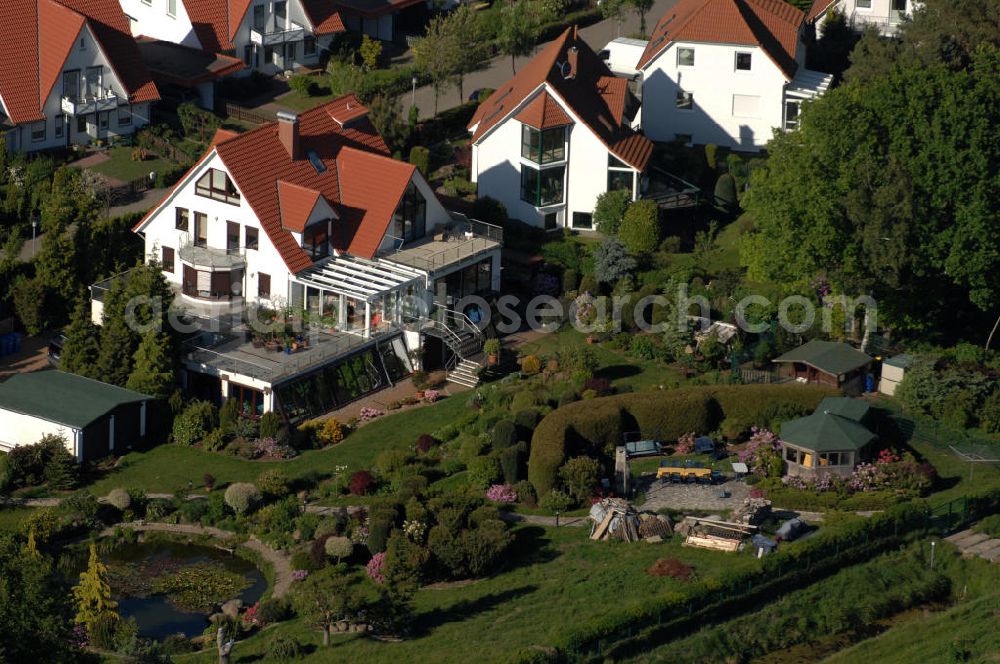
(166,468)
(11,518)
(962,633)
(300,102)
(121,167)
(556,579)
(618,367)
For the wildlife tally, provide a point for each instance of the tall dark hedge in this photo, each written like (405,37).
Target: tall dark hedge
(595,426)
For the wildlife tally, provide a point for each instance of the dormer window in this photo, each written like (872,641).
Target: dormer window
(316,239)
(215,184)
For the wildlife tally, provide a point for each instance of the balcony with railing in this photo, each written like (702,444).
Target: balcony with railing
(199,255)
(886,25)
(263,37)
(103,100)
(462,240)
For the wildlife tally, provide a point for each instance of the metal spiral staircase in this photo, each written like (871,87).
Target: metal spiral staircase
(463,338)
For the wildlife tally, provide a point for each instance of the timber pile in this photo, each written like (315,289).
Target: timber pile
(753,511)
(615,518)
(714,534)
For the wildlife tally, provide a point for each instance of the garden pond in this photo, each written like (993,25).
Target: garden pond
(173,587)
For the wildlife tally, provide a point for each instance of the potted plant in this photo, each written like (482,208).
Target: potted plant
(492,350)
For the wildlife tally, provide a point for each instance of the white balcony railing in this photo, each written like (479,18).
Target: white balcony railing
(105,100)
(294,32)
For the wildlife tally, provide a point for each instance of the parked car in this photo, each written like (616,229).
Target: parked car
(55,349)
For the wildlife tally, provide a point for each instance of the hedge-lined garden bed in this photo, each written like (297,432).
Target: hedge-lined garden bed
(596,425)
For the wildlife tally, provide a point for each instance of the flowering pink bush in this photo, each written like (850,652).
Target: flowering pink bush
(368,413)
(268,448)
(761,453)
(300,574)
(375,568)
(685,444)
(250,617)
(430,396)
(501,493)
(888,455)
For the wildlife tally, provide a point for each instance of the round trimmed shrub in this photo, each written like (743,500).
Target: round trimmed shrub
(283,649)
(484,471)
(360,482)
(425,442)
(523,400)
(339,548)
(530,365)
(640,229)
(273,483)
(120,499)
(242,497)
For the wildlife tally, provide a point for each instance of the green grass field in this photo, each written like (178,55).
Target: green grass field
(555,578)
(121,166)
(166,468)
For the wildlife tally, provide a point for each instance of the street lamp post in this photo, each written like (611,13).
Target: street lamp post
(932,553)
(34,231)
(413,92)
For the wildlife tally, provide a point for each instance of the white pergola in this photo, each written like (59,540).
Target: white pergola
(360,279)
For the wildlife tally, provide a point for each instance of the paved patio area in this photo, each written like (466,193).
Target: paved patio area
(707,497)
(380,399)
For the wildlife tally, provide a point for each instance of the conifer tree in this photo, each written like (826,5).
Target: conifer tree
(153,371)
(79,353)
(118,341)
(93,594)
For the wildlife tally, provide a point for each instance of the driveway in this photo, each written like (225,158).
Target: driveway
(498,71)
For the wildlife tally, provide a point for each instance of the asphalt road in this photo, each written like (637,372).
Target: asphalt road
(498,70)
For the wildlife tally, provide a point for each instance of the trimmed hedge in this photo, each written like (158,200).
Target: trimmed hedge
(595,426)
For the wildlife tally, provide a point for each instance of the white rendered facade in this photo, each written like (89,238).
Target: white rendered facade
(498,169)
(273,36)
(729,95)
(87,103)
(884,15)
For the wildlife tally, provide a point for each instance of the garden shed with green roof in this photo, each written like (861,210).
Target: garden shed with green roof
(831,441)
(826,363)
(95,418)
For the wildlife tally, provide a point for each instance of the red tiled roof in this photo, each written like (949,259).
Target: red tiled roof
(543,112)
(222,135)
(358,179)
(325,18)
(297,204)
(371,187)
(210,21)
(40,36)
(773,25)
(819,7)
(346,109)
(237,10)
(589,91)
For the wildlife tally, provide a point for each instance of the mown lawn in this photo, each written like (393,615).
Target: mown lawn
(556,579)
(166,468)
(121,166)
(11,517)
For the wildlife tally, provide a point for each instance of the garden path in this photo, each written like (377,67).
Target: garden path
(279,561)
(971,543)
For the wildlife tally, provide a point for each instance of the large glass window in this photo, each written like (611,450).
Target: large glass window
(685,57)
(259,17)
(410,219)
(542,187)
(181,220)
(215,184)
(71,84)
(316,240)
(543,147)
(251,401)
(93,82)
(619,180)
(250,241)
(232,237)
(685,100)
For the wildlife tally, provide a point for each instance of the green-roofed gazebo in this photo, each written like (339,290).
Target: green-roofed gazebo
(95,418)
(826,363)
(833,440)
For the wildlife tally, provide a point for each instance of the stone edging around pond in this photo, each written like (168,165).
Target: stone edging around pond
(280,562)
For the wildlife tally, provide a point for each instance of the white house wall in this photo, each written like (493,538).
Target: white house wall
(150,18)
(296,14)
(496,168)
(85,52)
(160,232)
(715,82)
(18,429)
(878,14)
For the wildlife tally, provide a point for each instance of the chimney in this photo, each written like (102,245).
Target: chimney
(288,133)
(571,55)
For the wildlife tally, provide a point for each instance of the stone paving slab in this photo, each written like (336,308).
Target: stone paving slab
(660,494)
(970,540)
(983,547)
(960,535)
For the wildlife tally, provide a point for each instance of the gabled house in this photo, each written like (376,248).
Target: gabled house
(727,72)
(267,35)
(826,363)
(557,135)
(72,74)
(310,216)
(883,15)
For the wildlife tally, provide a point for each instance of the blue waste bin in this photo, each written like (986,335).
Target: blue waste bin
(15,342)
(870,383)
